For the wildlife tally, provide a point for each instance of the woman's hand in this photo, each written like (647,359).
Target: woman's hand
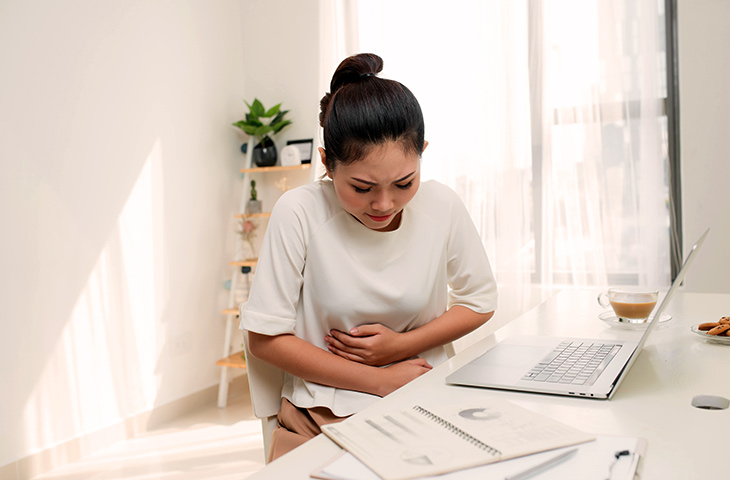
(372,344)
(311,363)
(395,376)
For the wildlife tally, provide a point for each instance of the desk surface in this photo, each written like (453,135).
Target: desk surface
(653,402)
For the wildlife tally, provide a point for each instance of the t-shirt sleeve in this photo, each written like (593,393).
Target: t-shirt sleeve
(471,281)
(272,303)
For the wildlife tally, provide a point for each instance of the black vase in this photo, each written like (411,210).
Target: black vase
(264,153)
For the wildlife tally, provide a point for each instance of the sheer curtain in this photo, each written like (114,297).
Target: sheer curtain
(546,119)
(602,142)
(338,38)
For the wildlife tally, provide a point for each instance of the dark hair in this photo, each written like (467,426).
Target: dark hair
(363,110)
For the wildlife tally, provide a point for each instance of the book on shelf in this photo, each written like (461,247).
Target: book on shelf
(433,438)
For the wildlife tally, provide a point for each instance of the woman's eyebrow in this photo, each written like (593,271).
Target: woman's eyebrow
(366,182)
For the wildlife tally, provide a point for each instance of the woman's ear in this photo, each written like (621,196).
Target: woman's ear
(323,156)
(425,144)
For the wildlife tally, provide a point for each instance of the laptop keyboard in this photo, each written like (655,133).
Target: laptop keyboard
(573,363)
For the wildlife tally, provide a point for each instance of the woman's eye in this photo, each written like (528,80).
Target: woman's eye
(361,190)
(406,186)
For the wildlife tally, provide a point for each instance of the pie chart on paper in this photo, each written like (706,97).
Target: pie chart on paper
(479,414)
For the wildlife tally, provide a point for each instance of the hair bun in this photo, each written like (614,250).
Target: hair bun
(355,68)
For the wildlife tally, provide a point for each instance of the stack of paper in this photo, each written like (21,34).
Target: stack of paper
(431,438)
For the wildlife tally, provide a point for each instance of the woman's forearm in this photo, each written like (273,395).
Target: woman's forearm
(306,361)
(452,325)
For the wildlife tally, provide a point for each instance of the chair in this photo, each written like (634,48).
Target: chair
(265,384)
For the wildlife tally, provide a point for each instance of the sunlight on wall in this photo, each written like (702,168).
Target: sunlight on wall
(103,364)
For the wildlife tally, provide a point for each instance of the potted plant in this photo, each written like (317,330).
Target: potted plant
(262,124)
(254,204)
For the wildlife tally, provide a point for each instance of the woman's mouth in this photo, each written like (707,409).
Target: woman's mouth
(379,218)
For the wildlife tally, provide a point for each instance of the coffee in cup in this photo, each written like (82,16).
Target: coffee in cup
(630,304)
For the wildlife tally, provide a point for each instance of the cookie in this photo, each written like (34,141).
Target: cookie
(707,326)
(722,328)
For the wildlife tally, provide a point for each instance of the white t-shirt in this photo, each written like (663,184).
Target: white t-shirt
(320,269)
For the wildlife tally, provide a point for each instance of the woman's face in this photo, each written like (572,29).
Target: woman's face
(375,189)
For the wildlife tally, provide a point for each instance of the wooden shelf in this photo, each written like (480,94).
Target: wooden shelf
(303,166)
(245,263)
(298,174)
(235,360)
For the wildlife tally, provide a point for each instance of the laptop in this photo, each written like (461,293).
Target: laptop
(527,363)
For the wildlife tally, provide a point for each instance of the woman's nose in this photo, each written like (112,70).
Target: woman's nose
(383,202)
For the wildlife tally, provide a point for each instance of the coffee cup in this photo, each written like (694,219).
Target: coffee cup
(630,304)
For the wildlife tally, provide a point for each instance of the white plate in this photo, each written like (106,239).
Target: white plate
(711,338)
(611,319)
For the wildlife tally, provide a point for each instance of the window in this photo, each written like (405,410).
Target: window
(550,121)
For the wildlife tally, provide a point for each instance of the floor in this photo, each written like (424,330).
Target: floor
(210,443)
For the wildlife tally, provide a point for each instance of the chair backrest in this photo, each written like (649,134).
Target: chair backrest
(265,381)
(265,384)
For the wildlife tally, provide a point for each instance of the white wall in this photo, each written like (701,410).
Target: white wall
(119,175)
(704,70)
(282,60)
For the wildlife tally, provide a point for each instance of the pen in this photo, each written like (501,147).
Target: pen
(551,462)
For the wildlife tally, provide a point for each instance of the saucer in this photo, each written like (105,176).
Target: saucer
(611,319)
(711,338)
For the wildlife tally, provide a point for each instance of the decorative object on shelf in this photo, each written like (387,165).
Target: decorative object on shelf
(243,285)
(304,147)
(248,233)
(290,155)
(264,153)
(253,205)
(283,184)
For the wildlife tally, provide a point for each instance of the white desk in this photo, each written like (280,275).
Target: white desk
(653,402)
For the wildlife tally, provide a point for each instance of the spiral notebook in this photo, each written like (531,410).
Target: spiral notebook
(594,461)
(431,439)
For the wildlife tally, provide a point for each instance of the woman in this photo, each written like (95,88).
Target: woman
(364,276)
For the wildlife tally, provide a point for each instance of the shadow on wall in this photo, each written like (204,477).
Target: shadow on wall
(100,367)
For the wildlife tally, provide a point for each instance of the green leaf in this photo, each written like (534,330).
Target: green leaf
(254,121)
(249,129)
(263,130)
(272,111)
(258,108)
(278,126)
(279,117)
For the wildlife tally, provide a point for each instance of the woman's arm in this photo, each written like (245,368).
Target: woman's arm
(304,360)
(376,344)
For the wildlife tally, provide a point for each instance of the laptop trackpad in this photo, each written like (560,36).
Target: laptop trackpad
(505,364)
(513,356)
